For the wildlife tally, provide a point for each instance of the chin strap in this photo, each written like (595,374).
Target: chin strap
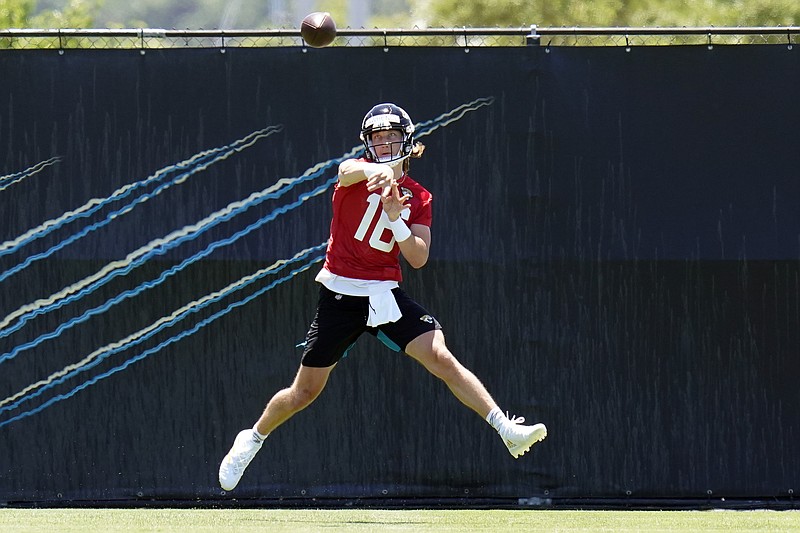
(393,162)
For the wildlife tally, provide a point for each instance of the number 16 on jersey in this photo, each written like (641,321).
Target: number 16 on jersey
(373,205)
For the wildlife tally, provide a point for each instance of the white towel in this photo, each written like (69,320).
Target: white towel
(383,309)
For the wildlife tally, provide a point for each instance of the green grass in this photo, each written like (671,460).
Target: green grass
(302,521)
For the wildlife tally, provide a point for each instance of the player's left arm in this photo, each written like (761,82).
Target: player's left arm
(416,248)
(415,240)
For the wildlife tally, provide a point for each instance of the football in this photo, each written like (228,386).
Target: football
(318,29)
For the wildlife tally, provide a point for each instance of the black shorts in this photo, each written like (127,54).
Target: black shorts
(341,319)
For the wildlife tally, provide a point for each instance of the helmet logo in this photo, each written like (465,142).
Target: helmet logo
(381,121)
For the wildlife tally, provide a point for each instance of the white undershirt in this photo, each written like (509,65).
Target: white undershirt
(382,305)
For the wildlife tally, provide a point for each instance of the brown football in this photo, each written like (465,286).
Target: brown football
(318,29)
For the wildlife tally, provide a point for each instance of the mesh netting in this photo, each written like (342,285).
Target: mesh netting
(442,37)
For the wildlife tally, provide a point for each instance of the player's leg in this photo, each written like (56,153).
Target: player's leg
(306,387)
(431,351)
(339,321)
(421,335)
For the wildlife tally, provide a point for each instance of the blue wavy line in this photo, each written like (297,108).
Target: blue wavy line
(157,348)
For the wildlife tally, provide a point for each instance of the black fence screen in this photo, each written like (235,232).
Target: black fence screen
(616,253)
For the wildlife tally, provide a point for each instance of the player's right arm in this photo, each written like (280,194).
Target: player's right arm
(377,176)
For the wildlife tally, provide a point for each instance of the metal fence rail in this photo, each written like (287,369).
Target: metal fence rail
(148,38)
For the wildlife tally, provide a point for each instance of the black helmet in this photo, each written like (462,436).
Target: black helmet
(387,117)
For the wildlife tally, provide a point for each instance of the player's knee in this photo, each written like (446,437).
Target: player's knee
(443,364)
(302,397)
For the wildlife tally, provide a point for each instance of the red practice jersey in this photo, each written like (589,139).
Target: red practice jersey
(361,245)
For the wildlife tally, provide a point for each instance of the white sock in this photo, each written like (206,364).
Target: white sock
(496,418)
(258,436)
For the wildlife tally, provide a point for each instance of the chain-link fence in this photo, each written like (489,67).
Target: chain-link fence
(144,39)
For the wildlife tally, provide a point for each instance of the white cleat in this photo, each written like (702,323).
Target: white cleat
(519,438)
(244,448)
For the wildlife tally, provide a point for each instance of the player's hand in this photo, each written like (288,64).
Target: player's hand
(381,178)
(393,204)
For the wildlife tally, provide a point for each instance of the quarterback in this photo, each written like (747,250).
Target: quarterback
(379,214)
